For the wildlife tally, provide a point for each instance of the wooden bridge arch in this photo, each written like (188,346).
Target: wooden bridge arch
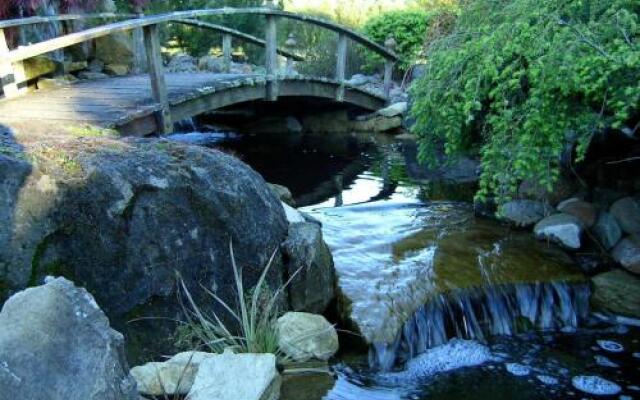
(184,96)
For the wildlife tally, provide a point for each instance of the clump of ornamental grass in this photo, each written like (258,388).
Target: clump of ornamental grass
(254,328)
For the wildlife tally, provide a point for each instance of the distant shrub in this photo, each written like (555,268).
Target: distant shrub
(408,28)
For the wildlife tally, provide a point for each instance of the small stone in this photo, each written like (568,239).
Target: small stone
(563,229)
(304,336)
(595,385)
(627,253)
(584,211)
(627,212)
(607,230)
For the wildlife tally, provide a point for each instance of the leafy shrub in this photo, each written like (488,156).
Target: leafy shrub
(408,29)
(525,78)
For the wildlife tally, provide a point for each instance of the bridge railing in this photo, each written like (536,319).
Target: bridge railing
(10,59)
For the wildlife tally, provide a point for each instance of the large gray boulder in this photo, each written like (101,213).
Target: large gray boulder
(309,257)
(524,213)
(627,253)
(617,292)
(627,212)
(121,217)
(563,229)
(607,230)
(56,344)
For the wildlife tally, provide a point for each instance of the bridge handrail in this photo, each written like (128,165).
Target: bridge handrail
(10,60)
(238,34)
(25,52)
(12,23)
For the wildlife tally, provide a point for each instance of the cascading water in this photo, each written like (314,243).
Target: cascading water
(483,312)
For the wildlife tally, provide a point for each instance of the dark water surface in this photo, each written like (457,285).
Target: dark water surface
(410,253)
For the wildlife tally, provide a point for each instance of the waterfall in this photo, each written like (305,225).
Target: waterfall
(481,313)
(41,32)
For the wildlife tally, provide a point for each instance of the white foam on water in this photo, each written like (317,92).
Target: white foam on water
(453,355)
(636,355)
(517,369)
(605,362)
(595,385)
(547,379)
(610,346)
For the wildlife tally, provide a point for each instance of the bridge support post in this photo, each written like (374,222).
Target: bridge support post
(341,65)
(226,52)
(156,74)
(271,58)
(10,74)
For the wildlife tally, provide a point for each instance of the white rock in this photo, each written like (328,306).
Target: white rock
(595,385)
(304,336)
(172,377)
(563,229)
(237,377)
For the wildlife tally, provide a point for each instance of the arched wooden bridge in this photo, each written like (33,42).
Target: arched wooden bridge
(143,104)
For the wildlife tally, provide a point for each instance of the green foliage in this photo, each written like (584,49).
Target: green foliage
(408,28)
(256,315)
(525,78)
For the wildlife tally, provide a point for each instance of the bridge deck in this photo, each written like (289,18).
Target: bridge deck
(107,102)
(127,104)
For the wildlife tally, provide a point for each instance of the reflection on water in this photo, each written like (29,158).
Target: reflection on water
(417,269)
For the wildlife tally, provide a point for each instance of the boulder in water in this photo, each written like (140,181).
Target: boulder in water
(116,69)
(607,230)
(309,258)
(627,253)
(627,212)
(524,213)
(237,376)
(563,229)
(304,336)
(617,292)
(584,211)
(56,344)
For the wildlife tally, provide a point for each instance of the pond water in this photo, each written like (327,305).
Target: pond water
(453,307)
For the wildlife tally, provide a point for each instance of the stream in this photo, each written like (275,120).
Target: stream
(453,306)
